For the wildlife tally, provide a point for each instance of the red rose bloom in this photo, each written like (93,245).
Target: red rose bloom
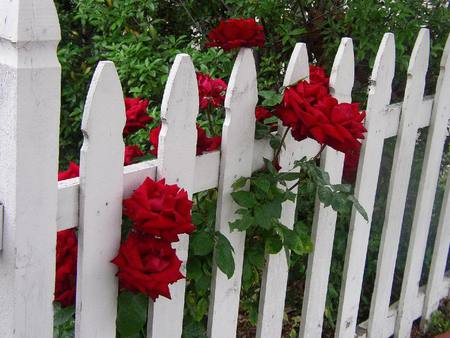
(204,143)
(317,75)
(160,210)
(71,172)
(351,166)
(262,113)
(131,152)
(66,267)
(211,91)
(137,117)
(311,111)
(236,33)
(147,265)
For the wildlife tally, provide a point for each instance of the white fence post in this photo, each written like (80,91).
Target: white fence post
(176,156)
(398,185)
(324,223)
(236,161)
(366,186)
(437,134)
(101,190)
(274,280)
(30,78)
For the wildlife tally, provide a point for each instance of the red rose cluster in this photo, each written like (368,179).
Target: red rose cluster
(236,33)
(204,142)
(137,117)
(146,261)
(211,91)
(310,111)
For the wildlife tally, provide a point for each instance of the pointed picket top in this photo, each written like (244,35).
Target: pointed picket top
(236,161)
(342,75)
(366,185)
(29,20)
(179,109)
(101,192)
(176,157)
(383,73)
(105,95)
(437,134)
(298,67)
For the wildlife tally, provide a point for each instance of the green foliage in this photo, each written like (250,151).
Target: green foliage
(64,321)
(439,323)
(131,314)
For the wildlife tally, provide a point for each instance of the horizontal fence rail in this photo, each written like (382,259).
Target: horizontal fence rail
(35,206)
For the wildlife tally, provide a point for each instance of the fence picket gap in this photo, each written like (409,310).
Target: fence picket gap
(101,194)
(275,275)
(176,156)
(324,223)
(30,86)
(398,185)
(366,186)
(236,161)
(437,134)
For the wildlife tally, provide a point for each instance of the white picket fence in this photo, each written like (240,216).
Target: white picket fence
(36,206)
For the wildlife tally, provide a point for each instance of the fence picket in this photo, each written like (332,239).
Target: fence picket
(30,84)
(236,161)
(274,279)
(176,156)
(398,185)
(437,134)
(439,260)
(324,223)
(365,189)
(100,204)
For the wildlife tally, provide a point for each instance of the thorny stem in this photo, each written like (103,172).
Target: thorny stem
(322,148)
(283,138)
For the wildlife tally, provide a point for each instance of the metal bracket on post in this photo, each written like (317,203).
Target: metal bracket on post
(1,227)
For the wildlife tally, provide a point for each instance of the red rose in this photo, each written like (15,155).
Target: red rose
(311,111)
(131,152)
(236,33)
(204,143)
(351,166)
(66,267)
(317,75)
(160,210)
(137,117)
(147,265)
(262,113)
(211,91)
(71,172)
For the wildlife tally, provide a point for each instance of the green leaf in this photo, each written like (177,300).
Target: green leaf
(273,244)
(275,142)
(242,224)
(197,218)
(271,98)
(202,243)
(201,309)
(262,183)
(239,183)
(224,255)
(358,207)
(245,199)
(132,313)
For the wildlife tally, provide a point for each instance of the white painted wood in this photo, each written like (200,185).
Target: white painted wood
(439,260)
(30,80)
(176,155)
(236,161)
(365,189)
(398,185)
(275,275)
(1,227)
(427,187)
(206,176)
(324,223)
(417,304)
(101,191)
